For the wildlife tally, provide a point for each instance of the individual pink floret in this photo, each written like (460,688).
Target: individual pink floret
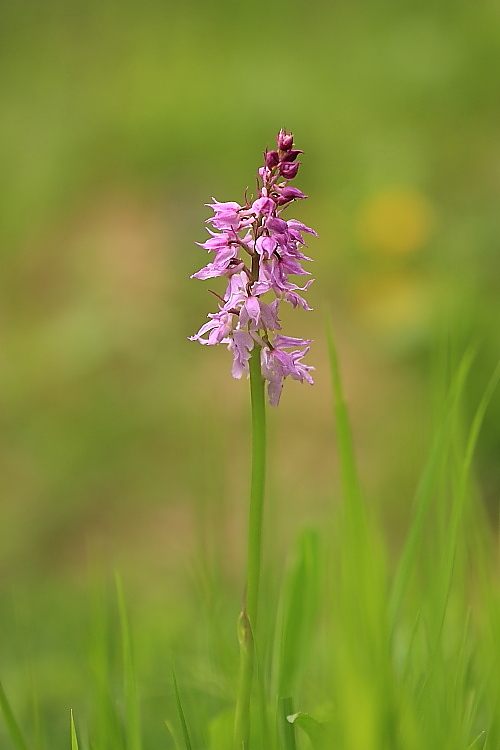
(278,364)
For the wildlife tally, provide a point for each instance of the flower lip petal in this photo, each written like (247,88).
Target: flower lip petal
(266,245)
(263,206)
(276,225)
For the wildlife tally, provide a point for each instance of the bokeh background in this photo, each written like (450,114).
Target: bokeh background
(124,444)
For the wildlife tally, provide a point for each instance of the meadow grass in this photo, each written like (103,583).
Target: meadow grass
(355,650)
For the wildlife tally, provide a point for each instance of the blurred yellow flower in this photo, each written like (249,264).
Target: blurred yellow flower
(395,222)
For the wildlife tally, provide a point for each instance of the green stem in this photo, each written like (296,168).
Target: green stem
(248,617)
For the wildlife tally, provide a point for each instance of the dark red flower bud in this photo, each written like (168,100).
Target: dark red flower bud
(285,140)
(289,170)
(291,155)
(288,194)
(272,159)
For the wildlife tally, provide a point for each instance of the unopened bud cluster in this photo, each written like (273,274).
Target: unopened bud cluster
(257,251)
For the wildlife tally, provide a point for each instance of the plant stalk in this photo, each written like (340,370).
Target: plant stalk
(247,622)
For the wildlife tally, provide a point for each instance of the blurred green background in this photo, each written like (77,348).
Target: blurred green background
(123,442)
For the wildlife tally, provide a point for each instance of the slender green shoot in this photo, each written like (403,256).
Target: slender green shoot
(11,721)
(132,723)
(427,487)
(299,608)
(173,734)
(107,727)
(285,709)
(248,617)
(74,738)
(347,460)
(460,495)
(182,716)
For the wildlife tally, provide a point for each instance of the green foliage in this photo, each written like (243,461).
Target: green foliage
(361,656)
(182,717)
(313,729)
(132,731)
(11,722)
(300,605)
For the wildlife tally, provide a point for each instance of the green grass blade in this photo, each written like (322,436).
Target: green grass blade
(182,717)
(285,709)
(221,731)
(348,470)
(173,734)
(426,488)
(477,739)
(11,721)
(263,718)
(300,603)
(479,416)
(107,731)
(358,596)
(458,507)
(74,738)
(132,722)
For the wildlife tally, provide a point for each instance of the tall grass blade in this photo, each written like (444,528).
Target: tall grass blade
(460,495)
(220,732)
(173,734)
(132,723)
(348,470)
(474,742)
(11,721)
(426,488)
(285,708)
(263,723)
(358,602)
(107,728)
(182,717)
(300,604)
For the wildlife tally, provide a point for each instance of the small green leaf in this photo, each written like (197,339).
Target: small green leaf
(312,728)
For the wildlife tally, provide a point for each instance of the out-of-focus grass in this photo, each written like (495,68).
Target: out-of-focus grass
(349,652)
(119,122)
(121,440)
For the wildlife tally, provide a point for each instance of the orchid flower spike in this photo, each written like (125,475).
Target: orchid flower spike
(257,251)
